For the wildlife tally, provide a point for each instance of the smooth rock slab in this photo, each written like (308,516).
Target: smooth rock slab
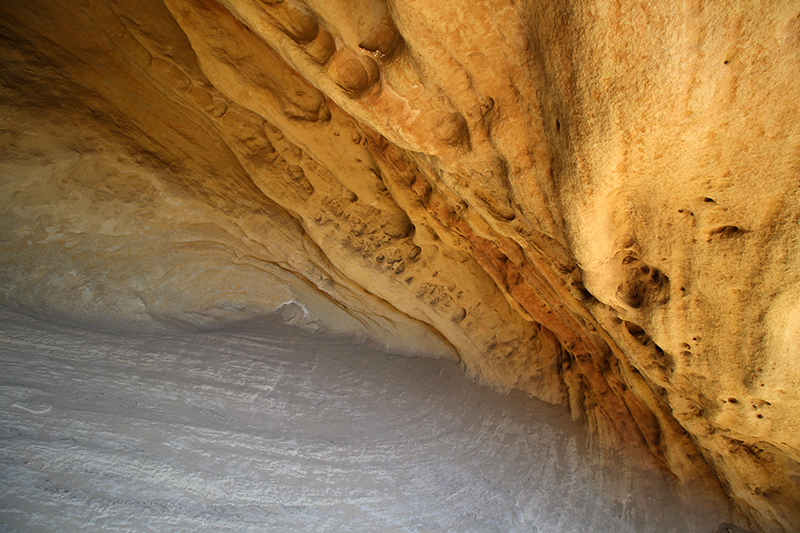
(268,428)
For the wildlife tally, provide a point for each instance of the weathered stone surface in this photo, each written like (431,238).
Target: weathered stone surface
(595,203)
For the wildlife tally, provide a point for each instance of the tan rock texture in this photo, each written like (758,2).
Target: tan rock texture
(594,202)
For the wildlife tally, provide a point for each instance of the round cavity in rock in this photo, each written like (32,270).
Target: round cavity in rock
(397,225)
(451,128)
(296,172)
(383,40)
(459,315)
(322,48)
(354,73)
(349,73)
(299,23)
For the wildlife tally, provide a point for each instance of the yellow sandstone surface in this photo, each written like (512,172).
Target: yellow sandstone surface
(594,202)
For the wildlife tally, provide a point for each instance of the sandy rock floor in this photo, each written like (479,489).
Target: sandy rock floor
(269,428)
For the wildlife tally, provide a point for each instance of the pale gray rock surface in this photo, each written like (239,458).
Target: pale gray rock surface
(273,428)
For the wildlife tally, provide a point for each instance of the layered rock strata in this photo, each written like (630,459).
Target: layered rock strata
(595,203)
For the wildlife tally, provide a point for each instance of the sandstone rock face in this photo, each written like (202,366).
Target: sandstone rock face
(596,203)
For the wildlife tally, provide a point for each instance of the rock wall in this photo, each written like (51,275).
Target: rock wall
(593,202)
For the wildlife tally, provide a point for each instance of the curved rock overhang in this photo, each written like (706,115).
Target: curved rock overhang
(594,203)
